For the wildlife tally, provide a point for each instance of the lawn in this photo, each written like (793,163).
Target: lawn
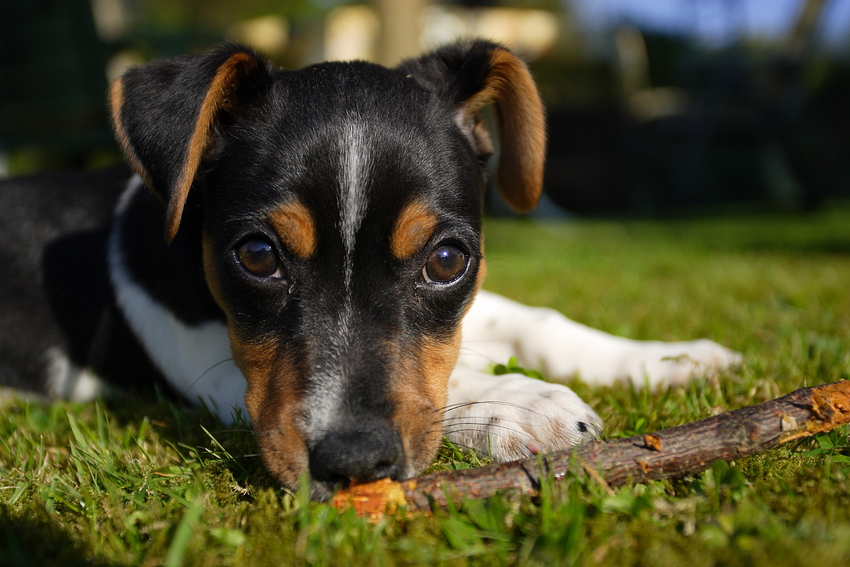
(149,482)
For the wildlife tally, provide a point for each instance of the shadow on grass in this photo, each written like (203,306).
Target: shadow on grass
(200,440)
(197,434)
(38,540)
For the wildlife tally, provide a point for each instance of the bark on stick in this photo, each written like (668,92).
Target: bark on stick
(669,453)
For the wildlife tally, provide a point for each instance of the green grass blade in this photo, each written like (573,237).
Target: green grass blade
(183,533)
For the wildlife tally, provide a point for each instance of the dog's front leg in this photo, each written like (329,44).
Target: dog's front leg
(497,328)
(512,416)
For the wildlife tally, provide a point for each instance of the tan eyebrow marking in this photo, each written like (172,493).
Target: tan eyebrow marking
(413,229)
(116,101)
(295,227)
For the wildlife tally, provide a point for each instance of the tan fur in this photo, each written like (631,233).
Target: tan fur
(116,102)
(437,359)
(424,375)
(413,230)
(210,273)
(481,136)
(217,98)
(273,398)
(522,128)
(272,395)
(295,227)
(419,390)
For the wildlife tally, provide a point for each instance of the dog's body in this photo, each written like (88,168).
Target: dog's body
(317,273)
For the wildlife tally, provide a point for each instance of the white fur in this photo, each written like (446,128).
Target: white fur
(327,393)
(352,200)
(514,416)
(497,328)
(196,361)
(507,416)
(66,380)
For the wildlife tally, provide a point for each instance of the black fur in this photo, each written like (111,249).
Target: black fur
(55,287)
(271,138)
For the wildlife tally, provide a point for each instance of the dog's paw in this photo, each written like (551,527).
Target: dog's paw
(676,363)
(512,416)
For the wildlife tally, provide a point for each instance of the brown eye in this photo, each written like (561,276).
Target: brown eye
(258,257)
(445,264)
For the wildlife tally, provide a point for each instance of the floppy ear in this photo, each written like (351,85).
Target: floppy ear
(473,74)
(166,115)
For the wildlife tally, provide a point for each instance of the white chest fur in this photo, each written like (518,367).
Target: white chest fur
(196,360)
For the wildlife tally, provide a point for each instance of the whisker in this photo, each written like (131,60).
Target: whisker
(446,409)
(461,405)
(467,404)
(461,446)
(474,419)
(233,430)
(204,373)
(472,426)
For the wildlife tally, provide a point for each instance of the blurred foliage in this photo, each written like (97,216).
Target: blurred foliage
(219,14)
(755,125)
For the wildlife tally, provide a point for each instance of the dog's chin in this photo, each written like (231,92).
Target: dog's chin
(290,462)
(322,490)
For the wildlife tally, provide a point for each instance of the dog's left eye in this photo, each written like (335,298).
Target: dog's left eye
(259,258)
(445,264)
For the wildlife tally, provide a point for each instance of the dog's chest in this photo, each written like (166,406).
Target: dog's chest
(196,359)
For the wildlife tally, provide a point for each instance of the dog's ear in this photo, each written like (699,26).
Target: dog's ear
(167,114)
(476,73)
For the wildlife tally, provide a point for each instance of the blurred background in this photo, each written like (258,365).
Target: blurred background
(656,107)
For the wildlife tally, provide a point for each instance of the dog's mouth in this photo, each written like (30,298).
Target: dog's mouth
(357,455)
(323,490)
(360,453)
(345,418)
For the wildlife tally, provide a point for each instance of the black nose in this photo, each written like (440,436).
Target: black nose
(362,454)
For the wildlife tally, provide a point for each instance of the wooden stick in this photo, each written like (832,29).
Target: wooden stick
(669,453)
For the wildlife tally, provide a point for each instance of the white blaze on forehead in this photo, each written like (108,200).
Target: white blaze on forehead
(354,169)
(329,382)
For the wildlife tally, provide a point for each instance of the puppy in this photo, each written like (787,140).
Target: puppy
(303,246)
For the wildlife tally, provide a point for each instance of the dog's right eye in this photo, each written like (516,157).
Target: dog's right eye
(259,258)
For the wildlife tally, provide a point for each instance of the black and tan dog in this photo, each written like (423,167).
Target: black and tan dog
(305,248)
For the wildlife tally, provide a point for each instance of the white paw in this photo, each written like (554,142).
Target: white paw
(676,363)
(513,416)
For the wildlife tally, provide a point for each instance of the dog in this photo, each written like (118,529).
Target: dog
(305,248)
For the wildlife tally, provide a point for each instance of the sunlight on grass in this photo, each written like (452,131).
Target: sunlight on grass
(151,482)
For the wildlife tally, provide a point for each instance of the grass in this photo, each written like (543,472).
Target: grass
(146,482)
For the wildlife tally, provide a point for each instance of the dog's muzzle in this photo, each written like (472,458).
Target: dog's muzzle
(368,452)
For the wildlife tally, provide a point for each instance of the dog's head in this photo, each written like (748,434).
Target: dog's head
(341,232)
